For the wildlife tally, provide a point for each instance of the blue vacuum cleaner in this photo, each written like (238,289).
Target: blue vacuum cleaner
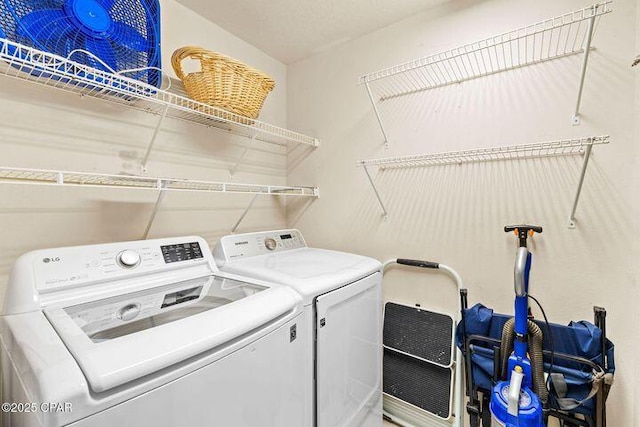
(518,400)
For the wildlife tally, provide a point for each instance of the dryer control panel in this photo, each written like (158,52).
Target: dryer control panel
(254,244)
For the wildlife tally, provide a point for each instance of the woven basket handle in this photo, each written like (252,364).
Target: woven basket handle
(191,52)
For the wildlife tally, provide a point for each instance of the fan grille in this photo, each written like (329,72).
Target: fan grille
(124,34)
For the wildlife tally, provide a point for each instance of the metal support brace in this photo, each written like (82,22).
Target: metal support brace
(585,59)
(161,187)
(237,224)
(375,190)
(375,110)
(153,138)
(247,147)
(585,162)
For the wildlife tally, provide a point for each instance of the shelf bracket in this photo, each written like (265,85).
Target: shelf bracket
(377,113)
(385,214)
(153,138)
(161,187)
(247,147)
(237,224)
(585,163)
(585,60)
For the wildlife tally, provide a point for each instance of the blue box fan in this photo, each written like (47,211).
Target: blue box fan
(123,34)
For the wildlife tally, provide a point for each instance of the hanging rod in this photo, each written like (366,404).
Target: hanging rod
(567,147)
(82,179)
(46,69)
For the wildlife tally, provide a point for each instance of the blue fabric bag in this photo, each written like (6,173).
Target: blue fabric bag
(582,339)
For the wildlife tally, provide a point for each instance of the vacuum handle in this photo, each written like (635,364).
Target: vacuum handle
(418,263)
(523,231)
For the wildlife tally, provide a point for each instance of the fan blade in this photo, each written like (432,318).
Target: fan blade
(44,25)
(129,37)
(103,50)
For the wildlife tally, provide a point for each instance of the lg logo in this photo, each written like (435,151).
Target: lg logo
(48,260)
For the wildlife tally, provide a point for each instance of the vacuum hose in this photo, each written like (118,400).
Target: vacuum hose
(535,355)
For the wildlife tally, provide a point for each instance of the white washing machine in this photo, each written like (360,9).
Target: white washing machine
(342,318)
(148,333)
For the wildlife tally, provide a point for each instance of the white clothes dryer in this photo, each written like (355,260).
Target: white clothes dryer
(342,318)
(148,333)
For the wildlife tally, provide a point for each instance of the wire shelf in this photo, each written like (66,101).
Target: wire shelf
(46,69)
(553,38)
(81,179)
(541,149)
(566,147)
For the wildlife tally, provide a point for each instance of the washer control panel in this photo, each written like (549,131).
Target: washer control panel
(71,267)
(254,244)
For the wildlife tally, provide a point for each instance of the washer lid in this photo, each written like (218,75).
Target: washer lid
(310,271)
(125,337)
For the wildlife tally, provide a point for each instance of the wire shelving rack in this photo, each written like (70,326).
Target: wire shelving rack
(557,37)
(52,71)
(9,175)
(46,69)
(83,179)
(567,147)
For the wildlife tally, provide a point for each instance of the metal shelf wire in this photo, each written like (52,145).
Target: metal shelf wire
(557,37)
(82,179)
(542,41)
(46,69)
(567,147)
(161,185)
(540,149)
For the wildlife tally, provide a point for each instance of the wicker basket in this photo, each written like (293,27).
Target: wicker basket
(223,82)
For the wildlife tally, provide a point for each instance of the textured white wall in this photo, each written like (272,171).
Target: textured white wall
(48,129)
(455,214)
(635,320)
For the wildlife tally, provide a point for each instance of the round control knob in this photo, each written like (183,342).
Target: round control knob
(270,243)
(128,259)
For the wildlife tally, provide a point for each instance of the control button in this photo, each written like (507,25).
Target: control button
(128,259)
(95,263)
(270,243)
(129,312)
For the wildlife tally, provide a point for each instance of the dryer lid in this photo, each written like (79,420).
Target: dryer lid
(310,271)
(125,337)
